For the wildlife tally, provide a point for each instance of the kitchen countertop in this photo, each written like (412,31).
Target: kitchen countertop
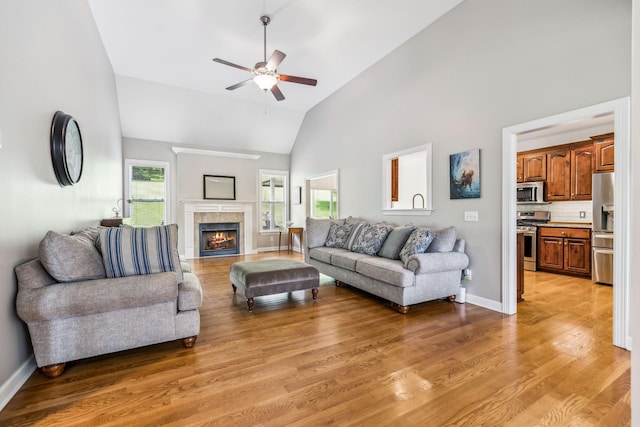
(567,224)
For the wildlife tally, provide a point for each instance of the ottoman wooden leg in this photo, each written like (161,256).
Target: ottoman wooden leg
(314,292)
(250,304)
(234,288)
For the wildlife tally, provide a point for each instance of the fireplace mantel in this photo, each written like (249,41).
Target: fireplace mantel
(191,207)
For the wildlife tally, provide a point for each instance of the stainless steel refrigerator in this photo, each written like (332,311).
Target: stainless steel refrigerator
(602,228)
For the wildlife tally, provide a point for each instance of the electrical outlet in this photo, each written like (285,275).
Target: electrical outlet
(271,239)
(583,214)
(467,273)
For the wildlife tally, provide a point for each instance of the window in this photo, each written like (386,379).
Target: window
(323,195)
(146,192)
(273,199)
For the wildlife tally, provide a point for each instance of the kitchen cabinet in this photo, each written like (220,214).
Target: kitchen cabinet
(603,152)
(558,176)
(519,168)
(565,250)
(520,267)
(569,172)
(534,167)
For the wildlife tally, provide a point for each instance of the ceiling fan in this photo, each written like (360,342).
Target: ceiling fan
(265,73)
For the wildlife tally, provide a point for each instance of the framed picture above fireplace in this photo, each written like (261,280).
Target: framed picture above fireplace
(219,187)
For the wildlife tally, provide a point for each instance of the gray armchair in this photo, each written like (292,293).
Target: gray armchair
(84,318)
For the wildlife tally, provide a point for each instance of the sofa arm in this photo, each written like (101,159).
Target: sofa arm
(65,300)
(435,262)
(189,293)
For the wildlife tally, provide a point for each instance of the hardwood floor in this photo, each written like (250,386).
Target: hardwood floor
(349,359)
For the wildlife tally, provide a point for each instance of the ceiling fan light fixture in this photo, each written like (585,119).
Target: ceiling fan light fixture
(265,81)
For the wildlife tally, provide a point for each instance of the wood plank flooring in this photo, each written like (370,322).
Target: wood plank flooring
(349,359)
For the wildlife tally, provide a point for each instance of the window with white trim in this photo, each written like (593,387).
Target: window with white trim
(272,190)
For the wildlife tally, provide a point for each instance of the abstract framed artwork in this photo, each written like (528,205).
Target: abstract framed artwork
(464,175)
(219,187)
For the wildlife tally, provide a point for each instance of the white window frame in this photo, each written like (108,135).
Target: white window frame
(285,202)
(128,166)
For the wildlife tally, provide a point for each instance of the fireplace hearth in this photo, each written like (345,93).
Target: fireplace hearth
(219,239)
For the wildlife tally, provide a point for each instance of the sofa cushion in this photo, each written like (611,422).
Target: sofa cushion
(318,229)
(395,242)
(417,243)
(444,241)
(338,235)
(70,258)
(324,254)
(131,251)
(347,259)
(385,270)
(370,239)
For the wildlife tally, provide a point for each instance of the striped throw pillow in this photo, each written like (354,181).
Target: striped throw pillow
(132,251)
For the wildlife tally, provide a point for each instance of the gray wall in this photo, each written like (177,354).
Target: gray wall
(485,65)
(187,171)
(52,59)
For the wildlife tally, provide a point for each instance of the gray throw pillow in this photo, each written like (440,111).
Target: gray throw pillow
(338,235)
(395,242)
(357,228)
(417,243)
(70,258)
(370,239)
(444,241)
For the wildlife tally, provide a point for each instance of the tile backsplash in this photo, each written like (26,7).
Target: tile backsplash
(564,211)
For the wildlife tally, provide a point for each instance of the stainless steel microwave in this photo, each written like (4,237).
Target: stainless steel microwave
(530,192)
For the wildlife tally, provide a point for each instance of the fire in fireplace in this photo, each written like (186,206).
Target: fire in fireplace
(219,239)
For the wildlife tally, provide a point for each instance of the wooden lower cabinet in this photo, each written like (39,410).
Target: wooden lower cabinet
(565,250)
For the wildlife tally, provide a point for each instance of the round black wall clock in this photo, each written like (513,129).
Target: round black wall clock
(66,149)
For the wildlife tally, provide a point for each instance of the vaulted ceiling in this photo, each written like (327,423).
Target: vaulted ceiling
(169,89)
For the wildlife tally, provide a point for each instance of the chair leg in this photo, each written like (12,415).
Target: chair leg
(53,371)
(189,342)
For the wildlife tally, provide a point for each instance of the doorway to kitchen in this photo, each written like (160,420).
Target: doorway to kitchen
(620,111)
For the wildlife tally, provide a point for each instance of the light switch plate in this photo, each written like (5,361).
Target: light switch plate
(471,215)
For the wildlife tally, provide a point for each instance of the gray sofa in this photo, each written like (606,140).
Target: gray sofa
(83,312)
(418,278)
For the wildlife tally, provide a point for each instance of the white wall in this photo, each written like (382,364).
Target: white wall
(187,172)
(52,59)
(486,65)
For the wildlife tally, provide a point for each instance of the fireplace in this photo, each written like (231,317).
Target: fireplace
(219,238)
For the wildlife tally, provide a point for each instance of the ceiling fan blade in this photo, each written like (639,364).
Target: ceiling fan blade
(237,85)
(275,60)
(231,64)
(301,80)
(275,90)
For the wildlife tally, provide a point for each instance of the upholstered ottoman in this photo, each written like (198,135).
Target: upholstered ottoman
(273,276)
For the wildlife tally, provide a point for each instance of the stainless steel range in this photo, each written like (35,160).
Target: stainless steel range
(527,223)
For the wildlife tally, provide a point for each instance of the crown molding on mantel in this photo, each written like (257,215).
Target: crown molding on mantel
(184,150)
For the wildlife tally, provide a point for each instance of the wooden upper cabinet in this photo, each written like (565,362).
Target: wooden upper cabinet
(582,162)
(558,176)
(534,167)
(603,150)
(569,172)
(519,168)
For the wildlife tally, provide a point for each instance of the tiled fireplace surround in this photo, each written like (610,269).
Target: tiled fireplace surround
(204,211)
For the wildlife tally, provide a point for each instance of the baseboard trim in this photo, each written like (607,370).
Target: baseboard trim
(483,302)
(13,384)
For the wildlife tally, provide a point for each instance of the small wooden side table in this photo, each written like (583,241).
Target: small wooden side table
(111,222)
(290,232)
